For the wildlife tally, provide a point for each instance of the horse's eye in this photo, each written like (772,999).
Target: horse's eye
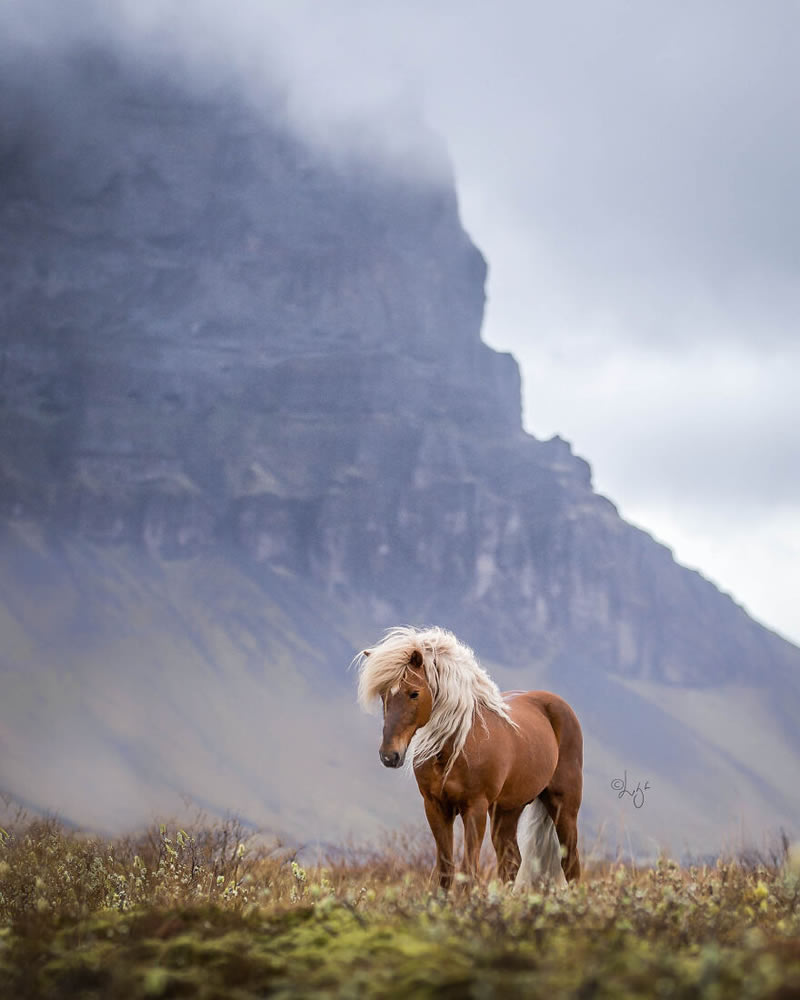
(413,694)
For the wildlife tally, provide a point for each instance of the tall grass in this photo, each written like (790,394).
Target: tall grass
(211,912)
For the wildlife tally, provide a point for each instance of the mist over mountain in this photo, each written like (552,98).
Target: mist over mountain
(247,422)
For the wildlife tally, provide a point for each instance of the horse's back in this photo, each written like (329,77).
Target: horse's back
(548,732)
(527,754)
(527,705)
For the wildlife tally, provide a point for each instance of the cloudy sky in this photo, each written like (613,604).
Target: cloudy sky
(629,169)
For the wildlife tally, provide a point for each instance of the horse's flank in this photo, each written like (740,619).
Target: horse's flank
(461,688)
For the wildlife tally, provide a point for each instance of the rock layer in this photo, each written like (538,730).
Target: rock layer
(216,338)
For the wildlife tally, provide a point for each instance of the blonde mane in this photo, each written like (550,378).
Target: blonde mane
(461,688)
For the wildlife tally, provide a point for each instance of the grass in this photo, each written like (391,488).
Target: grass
(206,913)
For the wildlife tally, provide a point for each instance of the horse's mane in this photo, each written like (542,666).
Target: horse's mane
(461,688)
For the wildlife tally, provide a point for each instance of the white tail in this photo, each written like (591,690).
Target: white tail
(539,848)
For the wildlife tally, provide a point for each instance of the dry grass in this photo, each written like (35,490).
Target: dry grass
(211,913)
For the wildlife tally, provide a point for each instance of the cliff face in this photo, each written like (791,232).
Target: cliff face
(221,344)
(180,277)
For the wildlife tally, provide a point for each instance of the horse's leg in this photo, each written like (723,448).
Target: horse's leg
(562,797)
(563,804)
(474,817)
(440,820)
(504,839)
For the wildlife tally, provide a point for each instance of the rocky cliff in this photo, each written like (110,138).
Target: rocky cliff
(220,345)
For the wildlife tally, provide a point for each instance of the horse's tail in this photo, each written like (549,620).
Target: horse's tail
(539,848)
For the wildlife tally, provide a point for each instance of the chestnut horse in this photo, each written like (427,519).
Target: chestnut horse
(477,753)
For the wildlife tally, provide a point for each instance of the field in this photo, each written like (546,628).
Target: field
(205,913)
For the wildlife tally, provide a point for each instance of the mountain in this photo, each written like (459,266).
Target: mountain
(246,423)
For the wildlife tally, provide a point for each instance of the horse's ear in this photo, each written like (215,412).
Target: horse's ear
(415,659)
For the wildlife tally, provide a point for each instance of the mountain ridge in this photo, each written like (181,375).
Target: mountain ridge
(227,356)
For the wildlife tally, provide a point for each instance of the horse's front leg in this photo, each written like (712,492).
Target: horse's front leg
(504,838)
(474,817)
(440,819)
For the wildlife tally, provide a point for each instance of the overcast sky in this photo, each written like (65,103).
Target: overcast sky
(630,171)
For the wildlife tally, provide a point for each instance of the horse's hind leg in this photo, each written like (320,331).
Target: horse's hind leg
(562,797)
(562,800)
(504,839)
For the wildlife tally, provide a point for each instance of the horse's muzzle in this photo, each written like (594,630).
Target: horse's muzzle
(391,758)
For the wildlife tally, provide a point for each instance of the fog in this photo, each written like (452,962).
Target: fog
(628,171)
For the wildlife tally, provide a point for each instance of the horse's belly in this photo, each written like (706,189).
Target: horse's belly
(531,770)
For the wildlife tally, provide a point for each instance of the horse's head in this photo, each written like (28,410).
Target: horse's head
(406,708)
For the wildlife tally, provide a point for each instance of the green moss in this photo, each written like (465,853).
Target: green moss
(82,918)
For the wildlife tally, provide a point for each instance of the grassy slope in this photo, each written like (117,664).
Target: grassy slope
(130,684)
(175,915)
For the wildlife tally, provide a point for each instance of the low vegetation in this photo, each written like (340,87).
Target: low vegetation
(208,913)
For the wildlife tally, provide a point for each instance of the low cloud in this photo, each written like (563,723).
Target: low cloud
(629,170)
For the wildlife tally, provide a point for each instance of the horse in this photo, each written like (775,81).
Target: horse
(516,758)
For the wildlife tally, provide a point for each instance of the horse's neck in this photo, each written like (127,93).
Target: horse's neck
(445,754)
(477,731)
